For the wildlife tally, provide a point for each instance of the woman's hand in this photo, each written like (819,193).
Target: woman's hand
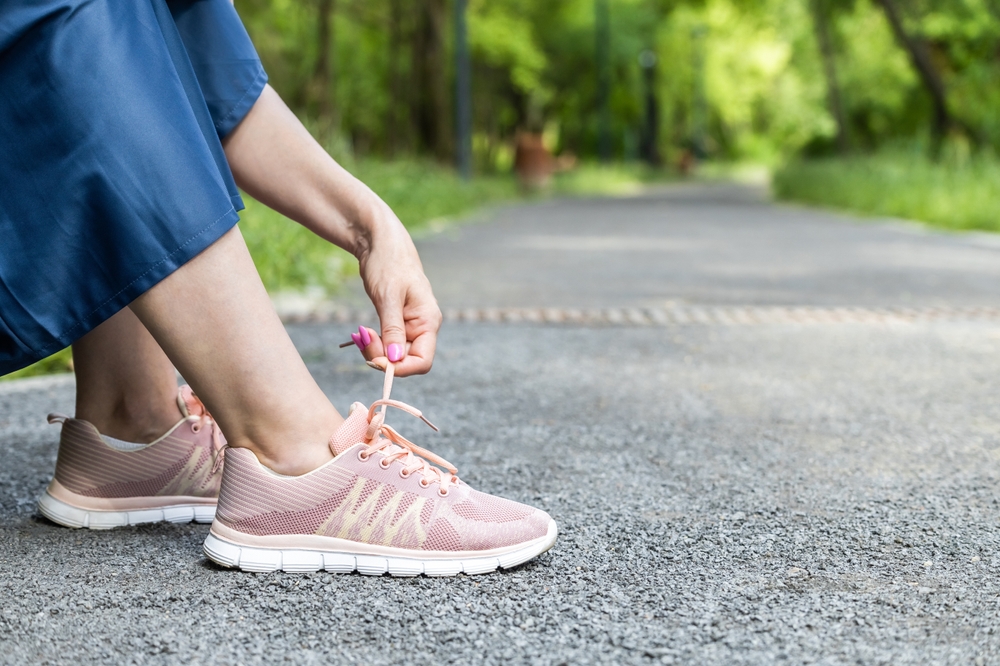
(277,162)
(408,313)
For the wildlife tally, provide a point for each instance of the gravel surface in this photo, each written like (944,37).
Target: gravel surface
(821,493)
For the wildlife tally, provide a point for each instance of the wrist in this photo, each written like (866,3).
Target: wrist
(373,223)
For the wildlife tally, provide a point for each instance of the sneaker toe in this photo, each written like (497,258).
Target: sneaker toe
(487,522)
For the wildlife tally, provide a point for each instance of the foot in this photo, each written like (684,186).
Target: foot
(379,506)
(101,482)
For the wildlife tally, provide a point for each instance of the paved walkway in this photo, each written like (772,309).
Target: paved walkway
(817,491)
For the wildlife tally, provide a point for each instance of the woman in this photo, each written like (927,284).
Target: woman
(124,130)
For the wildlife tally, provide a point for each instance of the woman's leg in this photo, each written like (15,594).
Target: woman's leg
(125,384)
(215,321)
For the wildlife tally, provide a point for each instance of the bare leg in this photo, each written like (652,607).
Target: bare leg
(125,384)
(230,345)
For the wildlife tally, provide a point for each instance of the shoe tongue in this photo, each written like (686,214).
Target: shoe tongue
(352,431)
(189,403)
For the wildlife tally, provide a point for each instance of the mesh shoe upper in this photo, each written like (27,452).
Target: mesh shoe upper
(183,462)
(376,491)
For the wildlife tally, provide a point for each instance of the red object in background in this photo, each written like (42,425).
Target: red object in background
(533,163)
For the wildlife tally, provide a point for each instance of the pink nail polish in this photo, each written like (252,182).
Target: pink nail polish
(365,336)
(357,341)
(395,352)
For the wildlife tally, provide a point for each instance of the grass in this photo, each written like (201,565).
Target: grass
(422,194)
(289,257)
(950,194)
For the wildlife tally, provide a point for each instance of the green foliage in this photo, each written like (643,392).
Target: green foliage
(957,193)
(757,65)
(60,362)
(878,82)
(762,80)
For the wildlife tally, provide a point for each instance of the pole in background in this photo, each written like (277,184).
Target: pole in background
(463,94)
(698,111)
(602,25)
(649,146)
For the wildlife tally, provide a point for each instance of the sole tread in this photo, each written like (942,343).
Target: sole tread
(67,515)
(263,560)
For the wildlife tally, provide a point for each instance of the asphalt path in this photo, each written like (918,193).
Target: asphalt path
(795,493)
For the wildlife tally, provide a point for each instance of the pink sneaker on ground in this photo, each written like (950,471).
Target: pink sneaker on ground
(101,482)
(379,506)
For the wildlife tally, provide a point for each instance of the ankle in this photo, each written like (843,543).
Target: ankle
(129,421)
(290,449)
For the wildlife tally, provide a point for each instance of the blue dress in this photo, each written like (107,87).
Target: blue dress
(112,173)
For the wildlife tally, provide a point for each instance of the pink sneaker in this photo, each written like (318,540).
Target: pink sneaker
(378,507)
(102,483)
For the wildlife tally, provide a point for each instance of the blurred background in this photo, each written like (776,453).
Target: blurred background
(880,107)
(889,107)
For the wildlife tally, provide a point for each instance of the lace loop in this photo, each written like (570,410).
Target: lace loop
(384,438)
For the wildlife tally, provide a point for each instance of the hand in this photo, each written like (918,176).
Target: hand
(408,313)
(276,161)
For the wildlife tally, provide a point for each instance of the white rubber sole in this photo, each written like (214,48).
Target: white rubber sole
(70,516)
(252,558)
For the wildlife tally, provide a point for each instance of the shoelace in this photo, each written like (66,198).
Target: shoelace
(219,443)
(415,458)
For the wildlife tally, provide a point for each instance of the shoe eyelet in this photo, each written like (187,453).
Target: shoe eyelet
(384,463)
(424,483)
(442,492)
(362,456)
(196,428)
(403,474)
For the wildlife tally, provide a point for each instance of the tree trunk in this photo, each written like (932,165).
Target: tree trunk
(920,57)
(821,21)
(430,78)
(395,79)
(322,91)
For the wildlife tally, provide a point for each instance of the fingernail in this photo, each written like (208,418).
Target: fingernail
(357,341)
(395,352)
(365,336)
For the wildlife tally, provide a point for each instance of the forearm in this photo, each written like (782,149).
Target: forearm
(276,161)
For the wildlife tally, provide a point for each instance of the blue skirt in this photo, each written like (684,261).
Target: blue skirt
(112,173)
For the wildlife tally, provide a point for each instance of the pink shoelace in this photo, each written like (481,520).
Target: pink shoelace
(396,447)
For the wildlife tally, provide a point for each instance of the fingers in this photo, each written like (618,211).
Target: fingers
(423,321)
(368,343)
(393,334)
(420,357)
(412,342)
(419,354)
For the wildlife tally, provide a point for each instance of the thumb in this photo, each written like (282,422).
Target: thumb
(390,316)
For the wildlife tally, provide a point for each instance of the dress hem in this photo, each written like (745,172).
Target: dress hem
(133,290)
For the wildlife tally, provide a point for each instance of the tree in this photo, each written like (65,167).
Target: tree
(322,87)
(393,123)
(431,109)
(821,11)
(930,77)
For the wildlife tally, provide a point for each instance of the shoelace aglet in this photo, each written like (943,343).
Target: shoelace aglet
(349,343)
(433,427)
